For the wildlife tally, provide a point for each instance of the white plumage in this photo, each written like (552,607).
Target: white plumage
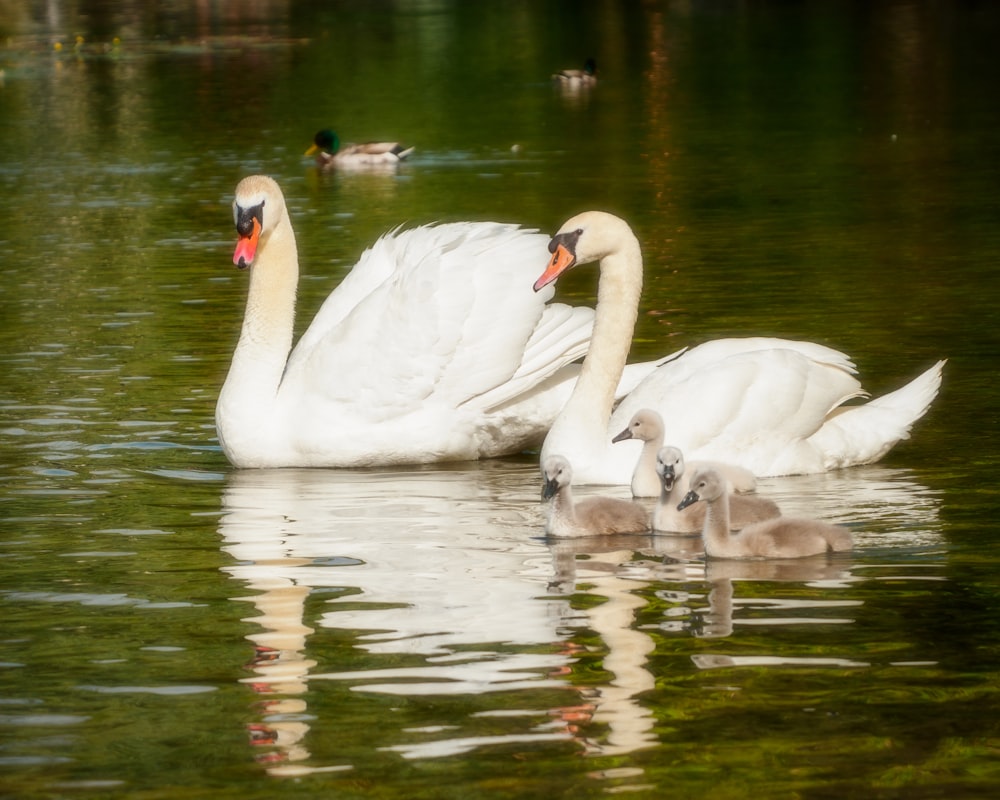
(772,406)
(433,348)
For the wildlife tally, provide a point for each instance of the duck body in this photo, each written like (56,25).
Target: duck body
(578,78)
(592,516)
(405,361)
(330,153)
(780,537)
(670,468)
(772,406)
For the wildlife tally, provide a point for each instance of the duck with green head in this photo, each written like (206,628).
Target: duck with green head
(330,153)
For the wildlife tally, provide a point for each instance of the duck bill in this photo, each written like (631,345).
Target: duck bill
(562,259)
(621,437)
(667,479)
(689,499)
(246,247)
(549,489)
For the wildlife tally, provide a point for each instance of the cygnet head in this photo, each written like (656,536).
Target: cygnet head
(645,425)
(556,474)
(706,484)
(587,237)
(669,466)
(257,208)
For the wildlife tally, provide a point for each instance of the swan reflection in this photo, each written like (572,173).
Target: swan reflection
(444,586)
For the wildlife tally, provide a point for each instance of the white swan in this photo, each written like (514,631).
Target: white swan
(433,348)
(782,537)
(670,468)
(592,516)
(773,406)
(647,426)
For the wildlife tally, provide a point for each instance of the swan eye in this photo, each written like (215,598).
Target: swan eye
(245,217)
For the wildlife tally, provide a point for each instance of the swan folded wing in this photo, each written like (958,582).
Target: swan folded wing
(448,322)
(778,390)
(498,331)
(561,337)
(714,351)
(378,264)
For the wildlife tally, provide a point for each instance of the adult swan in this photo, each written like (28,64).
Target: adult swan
(773,406)
(433,348)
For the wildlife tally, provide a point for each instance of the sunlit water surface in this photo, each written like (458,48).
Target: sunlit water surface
(175,628)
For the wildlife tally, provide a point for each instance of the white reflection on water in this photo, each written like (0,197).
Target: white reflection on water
(441,577)
(442,564)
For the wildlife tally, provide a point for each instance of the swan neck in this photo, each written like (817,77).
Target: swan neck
(270,311)
(248,396)
(716,531)
(645,468)
(563,507)
(618,295)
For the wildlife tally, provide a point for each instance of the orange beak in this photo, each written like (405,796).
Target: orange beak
(562,259)
(246,247)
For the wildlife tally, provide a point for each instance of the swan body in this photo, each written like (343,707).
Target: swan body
(772,406)
(647,426)
(743,509)
(330,153)
(592,516)
(578,78)
(781,537)
(433,348)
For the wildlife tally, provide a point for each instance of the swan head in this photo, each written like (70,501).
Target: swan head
(325,141)
(257,207)
(556,475)
(706,484)
(587,237)
(646,425)
(669,466)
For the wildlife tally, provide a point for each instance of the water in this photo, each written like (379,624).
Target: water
(175,628)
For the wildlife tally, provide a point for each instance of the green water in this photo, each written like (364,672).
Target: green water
(175,628)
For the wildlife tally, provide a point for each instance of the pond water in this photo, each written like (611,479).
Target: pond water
(173,627)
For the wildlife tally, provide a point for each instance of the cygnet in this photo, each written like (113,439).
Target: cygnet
(592,516)
(646,425)
(743,509)
(782,537)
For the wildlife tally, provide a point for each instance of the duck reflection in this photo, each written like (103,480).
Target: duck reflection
(441,578)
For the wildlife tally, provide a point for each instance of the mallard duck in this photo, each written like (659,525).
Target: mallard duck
(330,153)
(578,78)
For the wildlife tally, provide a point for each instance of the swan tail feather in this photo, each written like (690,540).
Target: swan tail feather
(863,434)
